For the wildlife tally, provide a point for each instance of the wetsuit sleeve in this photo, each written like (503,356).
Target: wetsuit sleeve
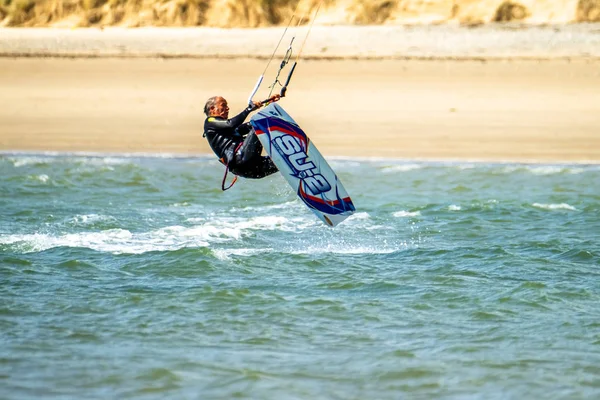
(229,124)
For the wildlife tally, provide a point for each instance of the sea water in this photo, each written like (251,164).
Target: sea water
(130,277)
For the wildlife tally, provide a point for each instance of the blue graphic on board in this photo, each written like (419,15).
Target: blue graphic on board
(302,165)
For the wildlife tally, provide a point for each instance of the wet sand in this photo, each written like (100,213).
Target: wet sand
(519,110)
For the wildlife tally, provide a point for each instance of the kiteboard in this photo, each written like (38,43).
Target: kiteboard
(302,165)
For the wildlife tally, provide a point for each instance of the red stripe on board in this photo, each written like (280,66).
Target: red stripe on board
(303,139)
(319,200)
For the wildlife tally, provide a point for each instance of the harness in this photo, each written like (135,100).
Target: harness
(223,161)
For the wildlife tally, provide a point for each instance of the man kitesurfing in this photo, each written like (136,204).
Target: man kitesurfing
(239,147)
(234,142)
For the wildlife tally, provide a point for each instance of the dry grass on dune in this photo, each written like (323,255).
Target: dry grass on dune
(255,13)
(136,13)
(104,12)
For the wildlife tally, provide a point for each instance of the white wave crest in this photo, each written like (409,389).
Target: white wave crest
(121,241)
(544,170)
(266,222)
(359,216)
(41,178)
(401,168)
(547,170)
(24,160)
(28,160)
(454,207)
(351,248)
(90,219)
(561,206)
(405,214)
(225,254)
(277,206)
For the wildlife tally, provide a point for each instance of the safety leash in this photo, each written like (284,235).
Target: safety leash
(223,188)
(289,78)
(261,77)
(288,53)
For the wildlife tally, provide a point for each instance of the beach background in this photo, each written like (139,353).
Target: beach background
(478,80)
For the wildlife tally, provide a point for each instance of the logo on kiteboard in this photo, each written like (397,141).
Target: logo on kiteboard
(297,159)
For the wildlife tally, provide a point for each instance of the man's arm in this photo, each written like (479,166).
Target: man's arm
(232,123)
(229,124)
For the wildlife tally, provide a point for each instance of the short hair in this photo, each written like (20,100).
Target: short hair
(210,103)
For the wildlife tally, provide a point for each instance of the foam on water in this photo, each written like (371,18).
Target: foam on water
(344,245)
(544,170)
(333,248)
(561,206)
(266,222)
(100,161)
(90,219)
(404,214)
(401,168)
(225,254)
(43,178)
(317,247)
(121,241)
(210,230)
(551,170)
(279,206)
(359,216)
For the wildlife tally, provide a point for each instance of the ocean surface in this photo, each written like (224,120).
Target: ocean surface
(135,277)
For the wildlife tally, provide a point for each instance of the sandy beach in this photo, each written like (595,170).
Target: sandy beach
(508,108)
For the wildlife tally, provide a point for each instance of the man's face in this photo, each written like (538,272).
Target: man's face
(221,109)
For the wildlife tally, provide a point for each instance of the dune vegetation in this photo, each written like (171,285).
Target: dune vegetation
(260,13)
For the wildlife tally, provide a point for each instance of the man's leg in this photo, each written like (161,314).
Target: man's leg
(266,167)
(257,168)
(251,148)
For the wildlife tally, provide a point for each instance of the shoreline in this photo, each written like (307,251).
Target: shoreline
(210,157)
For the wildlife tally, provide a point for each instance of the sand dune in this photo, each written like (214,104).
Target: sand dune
(254,13)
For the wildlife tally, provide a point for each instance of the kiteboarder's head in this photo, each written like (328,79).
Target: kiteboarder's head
(216,106)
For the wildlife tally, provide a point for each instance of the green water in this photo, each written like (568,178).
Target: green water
(137,278)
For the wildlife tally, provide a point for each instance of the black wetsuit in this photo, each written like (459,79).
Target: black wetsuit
(237,146)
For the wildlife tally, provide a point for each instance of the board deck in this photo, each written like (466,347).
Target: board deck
(302,165)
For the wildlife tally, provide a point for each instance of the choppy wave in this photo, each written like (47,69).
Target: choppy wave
(121,241)
(561,206)
(401,168)
(43,178)
(103,161)
(209,230)
(403,214)
(542,170)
